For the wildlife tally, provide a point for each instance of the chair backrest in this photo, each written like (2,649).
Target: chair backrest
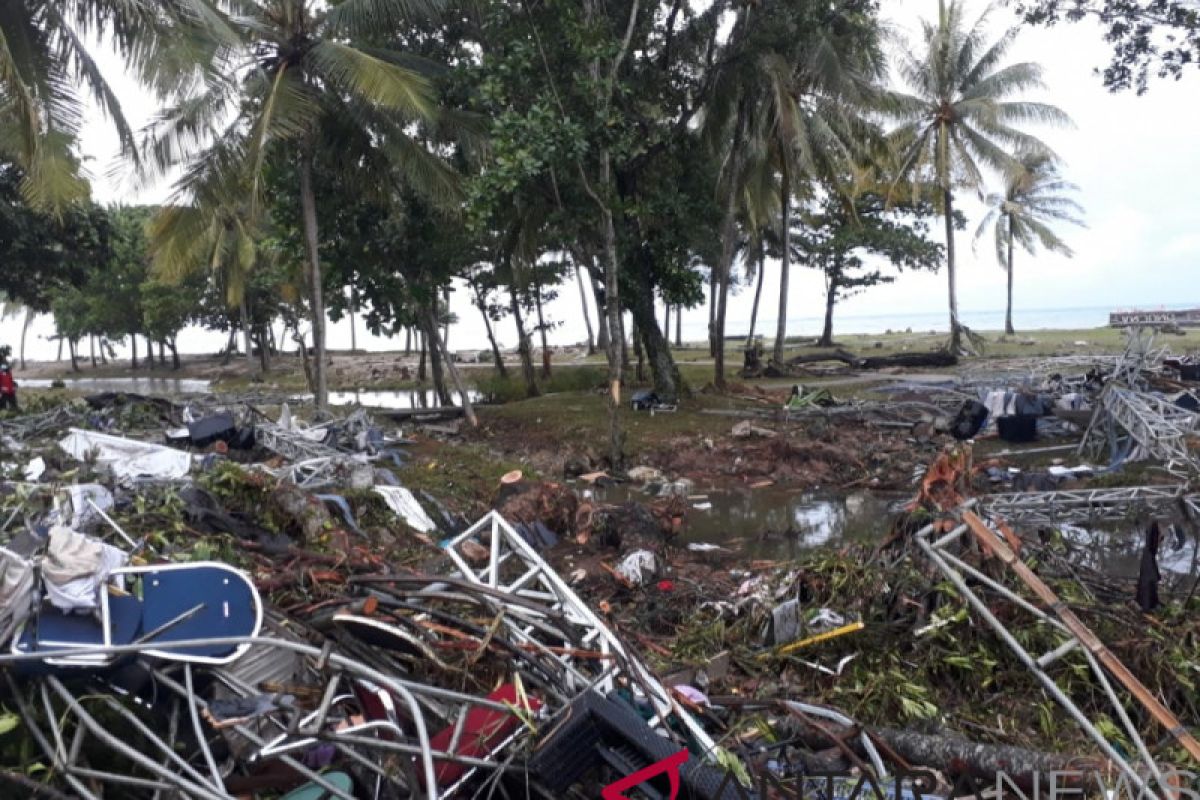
(199,600)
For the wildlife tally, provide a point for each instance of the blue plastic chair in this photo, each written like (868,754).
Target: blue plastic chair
(201,600)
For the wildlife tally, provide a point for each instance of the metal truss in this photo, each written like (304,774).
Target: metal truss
(514,570)
(970,581)
(31,425)
(1083,506)
(1139,356)
(292,445)
(1139,425)
(178,755)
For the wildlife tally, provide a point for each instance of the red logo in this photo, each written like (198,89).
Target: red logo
(669,765)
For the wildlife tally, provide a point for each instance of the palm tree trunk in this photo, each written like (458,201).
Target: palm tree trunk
(728,252)
(446,305)
(678,325)
(635,334)
(421,372)
(955,331)
(71,347)
(92,348)
(133,342)
(785,264)
(150,349)
(712,311)
(762,263)
(353,326)
(1008,323)
(25,330)
(587,316)
(666,315)
(245,313)
(60,344)
(308,207)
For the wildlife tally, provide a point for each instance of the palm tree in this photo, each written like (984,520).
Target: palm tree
(960,116)
(794,104)
(47,71)
(293,85)
(1032,200)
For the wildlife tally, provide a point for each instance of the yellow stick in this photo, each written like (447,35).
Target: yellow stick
(820,637)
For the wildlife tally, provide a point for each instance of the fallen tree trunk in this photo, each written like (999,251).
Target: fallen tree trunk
(933,358)
(957,756)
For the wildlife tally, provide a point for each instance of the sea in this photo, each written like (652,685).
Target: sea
(468,334)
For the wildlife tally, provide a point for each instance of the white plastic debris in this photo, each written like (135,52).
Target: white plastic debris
(127,458)
(35,469)
(646,475)
(703,547)
(638,567)
(402,502)
(75,510)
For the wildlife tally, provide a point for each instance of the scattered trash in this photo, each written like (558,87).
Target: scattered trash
(637,567)
(401,501)
(645,474)
(126,458)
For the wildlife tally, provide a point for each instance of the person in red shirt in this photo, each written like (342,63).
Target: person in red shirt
(8,386)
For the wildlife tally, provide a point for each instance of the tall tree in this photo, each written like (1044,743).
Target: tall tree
(1033,199)
(1149,37)
(311,89)
(47,74)
(791,102)
(959,117)
(854,236)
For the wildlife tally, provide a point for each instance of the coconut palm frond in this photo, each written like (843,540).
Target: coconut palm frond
(372,79)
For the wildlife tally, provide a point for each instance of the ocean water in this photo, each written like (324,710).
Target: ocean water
(468,334)
(1023,319)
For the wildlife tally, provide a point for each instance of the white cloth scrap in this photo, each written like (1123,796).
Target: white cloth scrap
(402,502)
(75,567)
(127,458)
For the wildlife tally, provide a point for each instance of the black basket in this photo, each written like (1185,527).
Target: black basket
(1017,428)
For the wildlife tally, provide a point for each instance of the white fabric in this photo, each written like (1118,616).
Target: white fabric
(1000,403)
(127,458)
(75,568)
(77,512)
(402,502)
(1073,401)
(16,592)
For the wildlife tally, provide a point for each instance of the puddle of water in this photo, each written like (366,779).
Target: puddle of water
(775,524)
(779,525)
(401,398)
(138,385)
(1119,552)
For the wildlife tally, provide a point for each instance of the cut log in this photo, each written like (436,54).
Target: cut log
(933,358)
(957,756)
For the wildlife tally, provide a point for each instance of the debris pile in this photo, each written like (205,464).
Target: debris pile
(214,601)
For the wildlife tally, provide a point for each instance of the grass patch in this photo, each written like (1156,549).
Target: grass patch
(510,389)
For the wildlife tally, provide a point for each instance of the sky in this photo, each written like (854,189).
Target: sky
(1134,158)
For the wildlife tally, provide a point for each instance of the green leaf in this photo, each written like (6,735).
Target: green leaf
(9,722)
